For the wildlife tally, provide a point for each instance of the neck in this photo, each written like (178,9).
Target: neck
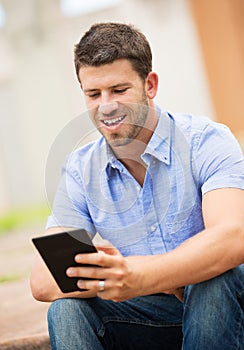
(130,154)
(136,147)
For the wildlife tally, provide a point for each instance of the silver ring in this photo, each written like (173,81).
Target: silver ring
(101,286)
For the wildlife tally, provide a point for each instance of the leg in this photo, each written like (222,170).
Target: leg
(152,322)
(72,325)
(214,313)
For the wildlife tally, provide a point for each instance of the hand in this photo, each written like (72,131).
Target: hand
(178,292)
(120,280)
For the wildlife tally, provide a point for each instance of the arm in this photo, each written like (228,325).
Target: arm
(209,253)
(70,209)
(43,285)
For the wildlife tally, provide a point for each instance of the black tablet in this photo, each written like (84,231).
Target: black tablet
(58,251)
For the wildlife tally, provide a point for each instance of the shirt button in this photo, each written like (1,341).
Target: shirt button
(138,188)
(153,228)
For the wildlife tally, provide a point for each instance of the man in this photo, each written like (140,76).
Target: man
(166,191)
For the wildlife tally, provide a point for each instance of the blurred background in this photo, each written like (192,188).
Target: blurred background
(198,51)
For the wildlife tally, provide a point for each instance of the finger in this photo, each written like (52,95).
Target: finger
(99,259)
(179,293)
(88,285)
(86,272)
(110,250)
(99,286)
(90,259)
(106,292)
(98,241)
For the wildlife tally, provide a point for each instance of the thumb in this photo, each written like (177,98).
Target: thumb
(108,249)
(105,246)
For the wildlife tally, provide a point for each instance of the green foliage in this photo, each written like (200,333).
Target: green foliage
(10,278)
(22,217)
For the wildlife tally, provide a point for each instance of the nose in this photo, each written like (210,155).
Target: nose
(108,108)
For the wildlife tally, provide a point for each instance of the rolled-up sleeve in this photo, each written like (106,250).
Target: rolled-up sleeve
(219,159)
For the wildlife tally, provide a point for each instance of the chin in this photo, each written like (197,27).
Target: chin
(118,141)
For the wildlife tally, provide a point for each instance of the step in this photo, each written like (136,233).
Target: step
(35,342)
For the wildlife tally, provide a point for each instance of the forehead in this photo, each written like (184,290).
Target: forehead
(117,72)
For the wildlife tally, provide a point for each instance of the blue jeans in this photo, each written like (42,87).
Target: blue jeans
(211,318)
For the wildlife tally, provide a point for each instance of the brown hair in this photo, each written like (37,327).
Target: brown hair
(104,43)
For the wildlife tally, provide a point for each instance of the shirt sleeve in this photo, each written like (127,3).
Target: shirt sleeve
(69,206)
(219,159)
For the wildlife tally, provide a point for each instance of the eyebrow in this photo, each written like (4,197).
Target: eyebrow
(111,87)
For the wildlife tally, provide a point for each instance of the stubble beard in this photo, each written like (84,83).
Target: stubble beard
(133,128)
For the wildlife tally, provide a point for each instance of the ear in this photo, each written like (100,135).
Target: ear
(151,85)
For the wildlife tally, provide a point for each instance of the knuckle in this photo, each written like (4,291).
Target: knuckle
(120,285)
(93,273)
(119,274)
(121,260)
(101,259)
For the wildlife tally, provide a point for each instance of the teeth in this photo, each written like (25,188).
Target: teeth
(113,121)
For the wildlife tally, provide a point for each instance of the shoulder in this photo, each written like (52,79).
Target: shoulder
(201,129)
(195,124)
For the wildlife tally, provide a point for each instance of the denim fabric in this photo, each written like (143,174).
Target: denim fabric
(211,318)
(218,323)
(151,322)
(186,157)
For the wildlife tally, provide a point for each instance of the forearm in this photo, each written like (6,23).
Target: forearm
(202,257)
(44,288)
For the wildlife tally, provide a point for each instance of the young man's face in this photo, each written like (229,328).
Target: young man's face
(117,101)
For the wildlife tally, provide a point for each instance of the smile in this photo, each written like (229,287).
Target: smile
(113,121)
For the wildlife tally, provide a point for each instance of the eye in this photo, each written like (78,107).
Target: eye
(93,95)
(120,91)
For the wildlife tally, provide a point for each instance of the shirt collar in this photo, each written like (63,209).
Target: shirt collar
(160,142)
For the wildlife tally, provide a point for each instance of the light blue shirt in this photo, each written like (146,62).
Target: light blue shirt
(186,157)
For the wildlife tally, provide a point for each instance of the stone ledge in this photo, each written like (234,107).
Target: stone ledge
(36,342)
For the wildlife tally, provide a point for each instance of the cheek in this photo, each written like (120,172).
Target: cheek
(90,104)
(92,111)
(92,114)
(92,107)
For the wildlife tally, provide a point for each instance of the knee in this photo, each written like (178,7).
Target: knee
(205,300)
(212,311)
(62,306)
(70,310)
(61,310)
(222,287)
